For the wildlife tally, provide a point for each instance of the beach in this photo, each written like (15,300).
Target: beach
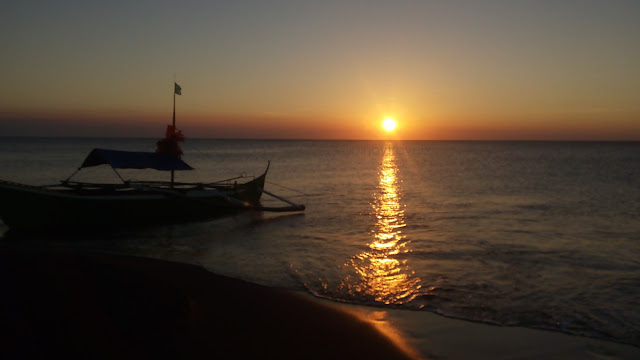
(94,305)
(106,306)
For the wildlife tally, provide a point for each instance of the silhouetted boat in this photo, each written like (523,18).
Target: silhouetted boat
(72,204)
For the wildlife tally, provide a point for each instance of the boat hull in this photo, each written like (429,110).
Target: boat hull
(33,208)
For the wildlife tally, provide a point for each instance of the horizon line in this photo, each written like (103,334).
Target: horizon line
(311,139)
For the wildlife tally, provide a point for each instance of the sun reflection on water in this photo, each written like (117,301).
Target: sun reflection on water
(385,274)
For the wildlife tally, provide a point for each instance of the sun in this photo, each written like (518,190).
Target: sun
(389,124)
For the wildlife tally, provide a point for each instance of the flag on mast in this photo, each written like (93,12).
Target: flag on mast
(178,89)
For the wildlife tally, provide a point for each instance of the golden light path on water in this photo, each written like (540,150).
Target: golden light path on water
(385,274)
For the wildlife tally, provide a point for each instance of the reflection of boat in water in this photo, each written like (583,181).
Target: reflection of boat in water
(73,204)
(385,275)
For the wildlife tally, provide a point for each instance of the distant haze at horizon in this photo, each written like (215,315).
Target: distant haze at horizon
(460,70)
(266,130)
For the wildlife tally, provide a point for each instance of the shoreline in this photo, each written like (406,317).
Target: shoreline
(84,304)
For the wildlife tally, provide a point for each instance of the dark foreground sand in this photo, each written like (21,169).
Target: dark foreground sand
(76,305)
(83,305)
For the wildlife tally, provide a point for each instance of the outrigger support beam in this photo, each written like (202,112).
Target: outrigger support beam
(293,207)
(279,209)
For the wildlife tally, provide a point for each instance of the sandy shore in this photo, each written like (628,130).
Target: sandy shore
(84,305)
(99,306)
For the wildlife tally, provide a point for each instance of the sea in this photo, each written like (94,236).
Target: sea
(542,235)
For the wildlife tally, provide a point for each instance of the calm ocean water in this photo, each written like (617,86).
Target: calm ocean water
(532,234)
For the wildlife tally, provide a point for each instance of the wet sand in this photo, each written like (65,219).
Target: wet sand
(103,306)
(87,305)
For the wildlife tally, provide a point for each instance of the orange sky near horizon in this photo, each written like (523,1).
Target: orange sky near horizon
(273,127)
(460,70)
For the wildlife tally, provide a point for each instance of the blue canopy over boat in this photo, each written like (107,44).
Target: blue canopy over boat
(134,160)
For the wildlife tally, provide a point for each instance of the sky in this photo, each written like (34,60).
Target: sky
(444,70)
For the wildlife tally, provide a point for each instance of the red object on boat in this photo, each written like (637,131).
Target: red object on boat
(169,145)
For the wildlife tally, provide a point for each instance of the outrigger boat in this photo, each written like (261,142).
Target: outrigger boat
(72,204)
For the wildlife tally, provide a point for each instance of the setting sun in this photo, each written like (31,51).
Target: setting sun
(389,124)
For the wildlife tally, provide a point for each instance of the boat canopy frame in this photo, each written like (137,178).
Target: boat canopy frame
(118,159)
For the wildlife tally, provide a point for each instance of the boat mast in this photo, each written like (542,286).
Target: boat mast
(174,103)
(175,88)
